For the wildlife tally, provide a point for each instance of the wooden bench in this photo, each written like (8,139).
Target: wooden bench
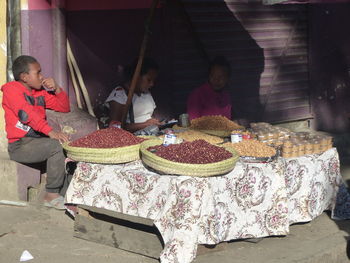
(126,232)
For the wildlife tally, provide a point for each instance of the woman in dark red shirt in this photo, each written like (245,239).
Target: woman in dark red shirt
(211,98)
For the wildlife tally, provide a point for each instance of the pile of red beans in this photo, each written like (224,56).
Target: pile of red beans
(196,152)
(107,138)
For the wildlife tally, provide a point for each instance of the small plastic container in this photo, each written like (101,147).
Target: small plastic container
(271,142)
(293,135)
(270,135)
(184,120)
(279,143)
(287,144)
(316,146)
(323,140)
(236,137)
(308,147)
(262,136)
(323,148)
(169,138)
(302,135)
(301,149)
(246,136)
(295,148)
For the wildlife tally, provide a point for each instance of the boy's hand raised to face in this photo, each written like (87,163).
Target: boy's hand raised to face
(62,137)
(51,85)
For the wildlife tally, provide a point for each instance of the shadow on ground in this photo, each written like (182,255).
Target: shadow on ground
(342,143)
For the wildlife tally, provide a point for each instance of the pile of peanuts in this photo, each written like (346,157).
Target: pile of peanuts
(252,148)
(192,135)
(214,122)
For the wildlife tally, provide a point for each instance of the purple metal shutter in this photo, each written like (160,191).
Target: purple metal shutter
(268,50)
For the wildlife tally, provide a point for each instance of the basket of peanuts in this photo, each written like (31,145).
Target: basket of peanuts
(105,146)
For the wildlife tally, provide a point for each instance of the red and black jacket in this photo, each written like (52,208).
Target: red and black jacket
(25,110)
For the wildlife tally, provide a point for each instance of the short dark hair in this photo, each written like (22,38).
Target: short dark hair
(147,65)
(220,61)
(21,65)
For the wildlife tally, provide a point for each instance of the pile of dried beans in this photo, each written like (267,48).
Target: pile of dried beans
(107,138)
(196,152)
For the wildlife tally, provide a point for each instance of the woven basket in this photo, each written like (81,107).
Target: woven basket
(103,155)
(200,170)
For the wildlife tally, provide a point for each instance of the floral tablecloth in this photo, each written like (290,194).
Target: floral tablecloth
(253,200)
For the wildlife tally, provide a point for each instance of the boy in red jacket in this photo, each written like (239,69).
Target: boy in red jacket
(30,138)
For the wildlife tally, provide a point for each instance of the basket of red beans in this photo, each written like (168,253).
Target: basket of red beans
(107,146)
(196,158)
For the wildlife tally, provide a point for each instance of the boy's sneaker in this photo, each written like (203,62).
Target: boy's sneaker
(57,203)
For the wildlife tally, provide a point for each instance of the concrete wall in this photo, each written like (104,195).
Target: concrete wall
(3,144)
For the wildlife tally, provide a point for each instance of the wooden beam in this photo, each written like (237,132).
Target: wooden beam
(139,62)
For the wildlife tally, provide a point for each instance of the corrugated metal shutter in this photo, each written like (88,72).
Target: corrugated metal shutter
(267,48)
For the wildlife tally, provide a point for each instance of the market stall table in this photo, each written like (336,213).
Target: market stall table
(254,200)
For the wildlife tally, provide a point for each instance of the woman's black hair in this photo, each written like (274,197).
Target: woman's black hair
(147,65)
(21,65)
(222,62)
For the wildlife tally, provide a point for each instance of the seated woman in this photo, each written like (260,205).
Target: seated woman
(211,98)
(142,107)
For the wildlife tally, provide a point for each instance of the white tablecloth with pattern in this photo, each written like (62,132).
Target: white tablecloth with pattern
(254,200)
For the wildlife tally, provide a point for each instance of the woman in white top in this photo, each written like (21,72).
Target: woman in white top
(141,112)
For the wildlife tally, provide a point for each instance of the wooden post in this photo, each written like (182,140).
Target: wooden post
(139,62)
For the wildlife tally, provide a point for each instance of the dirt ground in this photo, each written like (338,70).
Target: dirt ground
(48,235)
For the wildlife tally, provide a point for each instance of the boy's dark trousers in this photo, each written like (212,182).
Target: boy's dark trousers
(35,150)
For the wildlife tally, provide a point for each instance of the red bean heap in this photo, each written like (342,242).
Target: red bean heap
(196,152)
(107,138)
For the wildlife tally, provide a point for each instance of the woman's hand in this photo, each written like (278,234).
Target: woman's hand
(153,121)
